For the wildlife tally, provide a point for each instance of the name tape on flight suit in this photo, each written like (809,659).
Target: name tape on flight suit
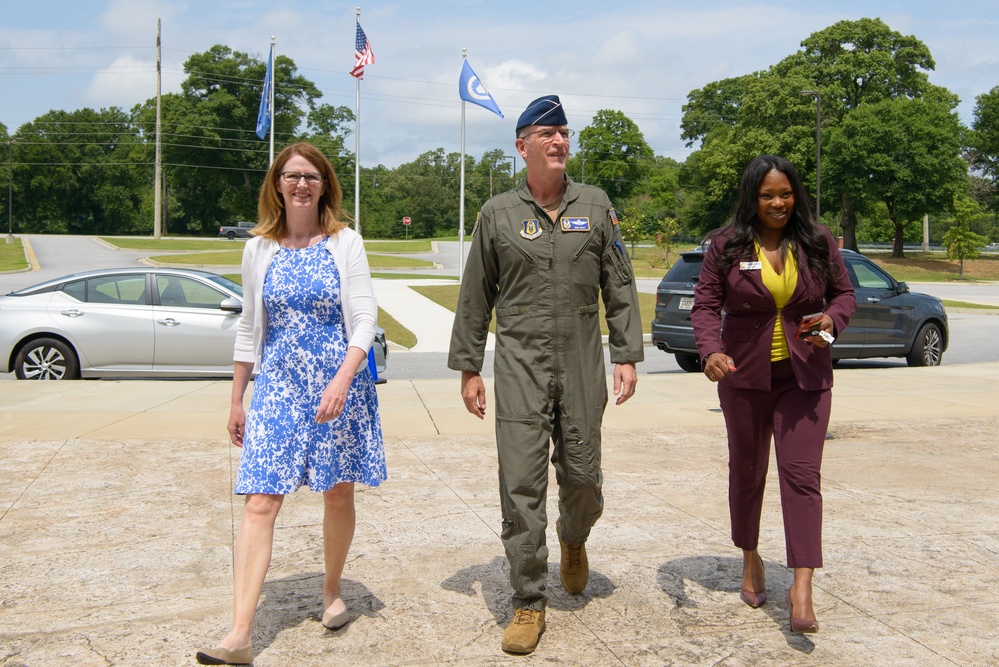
(575,224)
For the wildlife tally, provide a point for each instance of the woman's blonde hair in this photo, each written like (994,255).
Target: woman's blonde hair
(271,222)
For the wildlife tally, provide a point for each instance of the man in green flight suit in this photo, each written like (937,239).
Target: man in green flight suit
(542,256)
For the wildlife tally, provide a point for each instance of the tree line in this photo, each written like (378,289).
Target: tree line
(892,150)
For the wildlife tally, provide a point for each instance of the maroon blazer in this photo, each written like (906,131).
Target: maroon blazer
(747,331)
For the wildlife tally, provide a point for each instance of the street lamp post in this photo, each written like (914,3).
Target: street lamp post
(818,150)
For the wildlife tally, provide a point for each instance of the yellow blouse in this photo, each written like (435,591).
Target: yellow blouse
(781,287)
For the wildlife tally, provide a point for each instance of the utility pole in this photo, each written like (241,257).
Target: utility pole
(10,189)
(157,180)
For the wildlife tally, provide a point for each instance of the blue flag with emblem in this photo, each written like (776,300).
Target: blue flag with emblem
(471,90)
(266,112)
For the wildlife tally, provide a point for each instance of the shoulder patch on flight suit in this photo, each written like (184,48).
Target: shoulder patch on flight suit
(477,219)
(575,224)
(531,230)
(613,216)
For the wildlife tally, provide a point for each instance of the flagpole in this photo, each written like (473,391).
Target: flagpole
(461,200)
(357,146)
(270,94)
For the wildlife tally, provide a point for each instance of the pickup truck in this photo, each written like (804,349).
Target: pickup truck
(239,230)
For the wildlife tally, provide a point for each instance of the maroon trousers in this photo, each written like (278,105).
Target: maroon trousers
(796,420)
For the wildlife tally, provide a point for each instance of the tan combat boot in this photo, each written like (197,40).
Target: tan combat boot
(574,571)
(524,631)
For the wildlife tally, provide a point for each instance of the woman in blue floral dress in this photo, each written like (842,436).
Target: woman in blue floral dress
(307,324)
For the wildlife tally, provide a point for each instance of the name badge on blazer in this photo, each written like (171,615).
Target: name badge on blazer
(750,266)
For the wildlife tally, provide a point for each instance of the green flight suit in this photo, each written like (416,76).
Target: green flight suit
(544,280)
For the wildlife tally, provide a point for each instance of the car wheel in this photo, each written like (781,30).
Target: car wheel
(688,362)
(46,359)
(927,349)
(231,236)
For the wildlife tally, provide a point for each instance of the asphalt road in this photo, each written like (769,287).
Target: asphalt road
(973,335)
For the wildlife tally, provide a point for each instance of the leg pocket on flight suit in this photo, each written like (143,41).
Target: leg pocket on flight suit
(581,449)
(522,459)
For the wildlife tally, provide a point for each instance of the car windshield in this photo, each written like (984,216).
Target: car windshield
(228,284)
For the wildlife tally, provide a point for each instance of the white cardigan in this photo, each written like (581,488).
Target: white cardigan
(357,295)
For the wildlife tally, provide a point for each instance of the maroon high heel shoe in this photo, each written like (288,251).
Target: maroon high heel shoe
(802,625)
(752,598)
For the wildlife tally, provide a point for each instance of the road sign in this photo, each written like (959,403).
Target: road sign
(406,220)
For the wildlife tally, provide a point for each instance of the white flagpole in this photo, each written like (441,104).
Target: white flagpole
(461,200)
(270,94)
(357,146)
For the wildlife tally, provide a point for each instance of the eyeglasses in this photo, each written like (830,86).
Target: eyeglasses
(548,133)
(293,177)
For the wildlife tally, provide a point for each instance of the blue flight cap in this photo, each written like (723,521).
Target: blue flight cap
(545,110)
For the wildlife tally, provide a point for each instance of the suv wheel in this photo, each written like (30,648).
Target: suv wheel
(688,362)
(927,349)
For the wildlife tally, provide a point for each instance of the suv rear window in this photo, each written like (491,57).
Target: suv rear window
(686,269)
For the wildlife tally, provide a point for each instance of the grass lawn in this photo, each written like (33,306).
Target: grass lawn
(12,256)
(935,267)
(416,245)
(394,331)
(411,276)
(447,296)
(914,267)
(964,304)
(173,244)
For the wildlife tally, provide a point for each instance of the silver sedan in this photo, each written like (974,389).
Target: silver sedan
(132,322)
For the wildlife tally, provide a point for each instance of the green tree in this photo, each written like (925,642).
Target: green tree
(617,156)
(82,171)
(984,140)
(902,152)
(213,159)
(854,63)
(426,190)
(328,129)
(961,242)
(715,105)
(850,64)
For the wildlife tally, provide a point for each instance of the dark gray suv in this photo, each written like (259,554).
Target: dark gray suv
(890,320)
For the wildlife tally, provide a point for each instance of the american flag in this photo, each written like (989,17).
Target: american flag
(362,52)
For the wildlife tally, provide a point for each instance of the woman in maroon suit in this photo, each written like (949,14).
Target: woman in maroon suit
(768,269)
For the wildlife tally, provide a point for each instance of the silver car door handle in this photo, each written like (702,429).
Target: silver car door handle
(71,313)
(873,299)
(169,322)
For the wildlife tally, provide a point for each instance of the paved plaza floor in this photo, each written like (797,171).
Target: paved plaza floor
(117,521)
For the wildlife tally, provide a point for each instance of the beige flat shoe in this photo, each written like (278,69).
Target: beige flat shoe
(221,656)
(336,621)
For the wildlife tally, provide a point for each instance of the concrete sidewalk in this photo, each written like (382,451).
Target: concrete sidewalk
(116,524)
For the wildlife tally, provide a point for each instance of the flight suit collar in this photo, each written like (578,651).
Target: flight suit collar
(570,195)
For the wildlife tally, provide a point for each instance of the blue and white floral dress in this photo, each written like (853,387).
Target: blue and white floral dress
(305,344)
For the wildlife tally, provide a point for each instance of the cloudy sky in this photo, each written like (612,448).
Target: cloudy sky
(639,56)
